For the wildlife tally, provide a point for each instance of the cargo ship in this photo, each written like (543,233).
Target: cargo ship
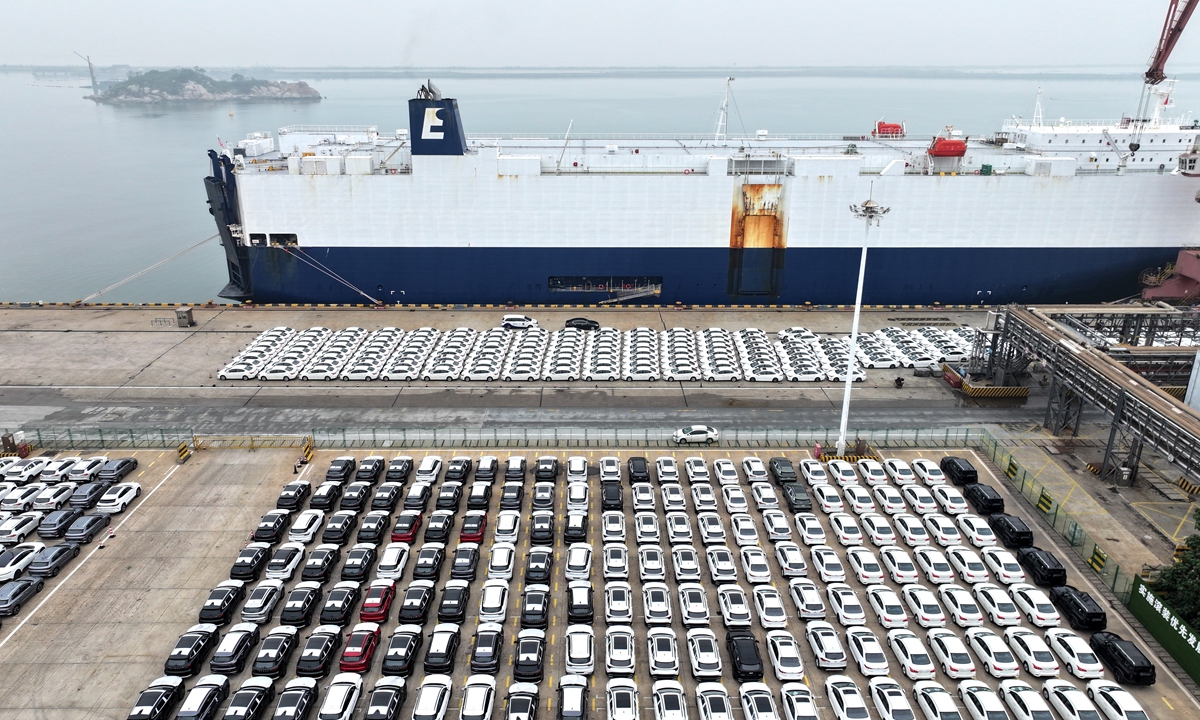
(1040,211)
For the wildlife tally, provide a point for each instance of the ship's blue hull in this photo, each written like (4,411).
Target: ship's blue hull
(794,276)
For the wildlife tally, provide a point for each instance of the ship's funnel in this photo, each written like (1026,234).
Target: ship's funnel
(435,125)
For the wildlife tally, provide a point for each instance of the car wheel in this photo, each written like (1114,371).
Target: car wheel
(16,609)
(75,553)
(88,539)
(54,572)
(612,379)
(262,378)
(710,379)
(426,378)
(1045,693)
(41,584)
(122,508)
(709,441)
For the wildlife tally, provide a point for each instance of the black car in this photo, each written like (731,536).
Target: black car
(546,468)
(55,524)
(458,468)
(326,496)
(449,496)
(580,609)
(157,701)
(441,522)
(539,565)
(443,647)
(301,604)
(581,323)
(296,702)
(577,528)
(465,564)
(984,498)
(114,471)
(1043,567)
(487,648)
(479,497)
(318,653)
(535,607)
(543,496)
(429,560)
(1079,608)
(355,496)
(274,653)
(1128,664)
(375,526)
(86,528)
(341,469)
(796,497)
(782,470)
(369,470)
(611,497)
(514,469)
(293,495)
(386,496)
(1012,530)
(743,652)
(250,703)
(541,529)
(249,563)
(639,469)
(87,495)
(234,650)
(399,469)
(531,647)
(222,601)
(401,652)
(272,526)
(340,604)
(456,595)
(191,650)
(385,700)
(414,605)
(959,470)
(338,527)
(50,561)
(486,469)
(417,497)
(359,562)
(511,494)
(320,563)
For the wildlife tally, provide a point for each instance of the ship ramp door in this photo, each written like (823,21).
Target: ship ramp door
(757,240)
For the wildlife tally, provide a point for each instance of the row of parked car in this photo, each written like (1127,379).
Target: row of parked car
(523,351)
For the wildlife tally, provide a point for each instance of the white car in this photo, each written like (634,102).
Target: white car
(735,499)
(899,565)
(54,497)
(898,471)
(579,562)
(643,496)
(1114,701)
(662,651)
(18,527)
(777,526)
(827,564)
(889,610)
(703,497)
(827,498)
(889,499)
(1074,653)
(813,471)
(493,601)
(866,651)
(581,656)
(669,700)
(1003,565)
(755,469)
(798,703)
(651,563)
(433,697)
(507,527)
(754,564)
(501,561)
(673,498)
(679,528)
(1068,701)
(928,472)
(619,656)
(877,529)
(934,564)
(980,701)
(696,469)
(967,564)
(949,499)
(919,500)
(810,529)
(910,530)
(612,526)
(710,527)
(686,563)
(656,604)
(720,564)
(618,603)
(769,603)
(305,526)
(951,654)
(16,559)
(807,598)
(726,472)
(791,559)
(976,530)
(858,499)
(911,654)
(995,657)
(118,497)
(842,473)
(704,654)
(1024,702)
(845,529)
(961,607)
(341,697)
(942,530)
(735,608)
(845,604)
(696,434)
(758,703)
(478,697)
(577,470)
(610,469)
(934,701)
(996,604)
(616,561)
(845,699)
(693,604)
(784,652)
(21,499)
(1034,605)
(1032,652)
(890,700)
(865,565)
(924,606)
(764,496)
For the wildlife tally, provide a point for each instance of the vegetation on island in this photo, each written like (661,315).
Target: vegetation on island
(194,85)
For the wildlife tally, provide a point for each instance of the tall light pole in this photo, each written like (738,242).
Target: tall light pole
(870,211)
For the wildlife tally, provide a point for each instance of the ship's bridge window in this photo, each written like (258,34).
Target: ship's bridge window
(283,238)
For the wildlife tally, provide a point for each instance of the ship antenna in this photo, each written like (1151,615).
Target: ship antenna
(1037,109)
(723,116)
(566,139)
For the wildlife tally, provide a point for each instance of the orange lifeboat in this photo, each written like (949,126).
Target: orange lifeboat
(888,130)
(947,147)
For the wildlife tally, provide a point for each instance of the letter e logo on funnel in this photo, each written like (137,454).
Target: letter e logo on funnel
(436,127)
(432,121)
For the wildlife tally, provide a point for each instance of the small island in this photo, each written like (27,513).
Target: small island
(193,85)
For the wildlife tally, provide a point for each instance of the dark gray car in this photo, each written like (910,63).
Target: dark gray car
(56,524)
(87,495)
(85,529)
(50,561)
(15,593)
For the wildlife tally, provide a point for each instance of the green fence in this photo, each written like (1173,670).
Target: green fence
(1118,579)
(1176,636)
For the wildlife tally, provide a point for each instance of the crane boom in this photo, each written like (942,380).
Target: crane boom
(1177,20)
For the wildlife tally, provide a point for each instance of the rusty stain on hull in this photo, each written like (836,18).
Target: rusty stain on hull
(757,220)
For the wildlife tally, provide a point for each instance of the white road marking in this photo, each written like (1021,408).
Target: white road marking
(78,565)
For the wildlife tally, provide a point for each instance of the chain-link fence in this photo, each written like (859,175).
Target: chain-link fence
(104,438)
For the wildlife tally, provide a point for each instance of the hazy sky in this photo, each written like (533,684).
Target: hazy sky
(1048,33)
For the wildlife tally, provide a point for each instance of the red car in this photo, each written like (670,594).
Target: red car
(378,601)
(360,648)
(474,523)
(407,525)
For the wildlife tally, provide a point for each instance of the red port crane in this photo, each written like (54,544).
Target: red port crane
(1178,14)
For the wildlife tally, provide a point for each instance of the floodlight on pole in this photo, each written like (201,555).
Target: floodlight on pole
(870,211)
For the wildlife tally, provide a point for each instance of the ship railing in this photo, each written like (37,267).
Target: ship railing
(729,141)
(552,169)
(328,129)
